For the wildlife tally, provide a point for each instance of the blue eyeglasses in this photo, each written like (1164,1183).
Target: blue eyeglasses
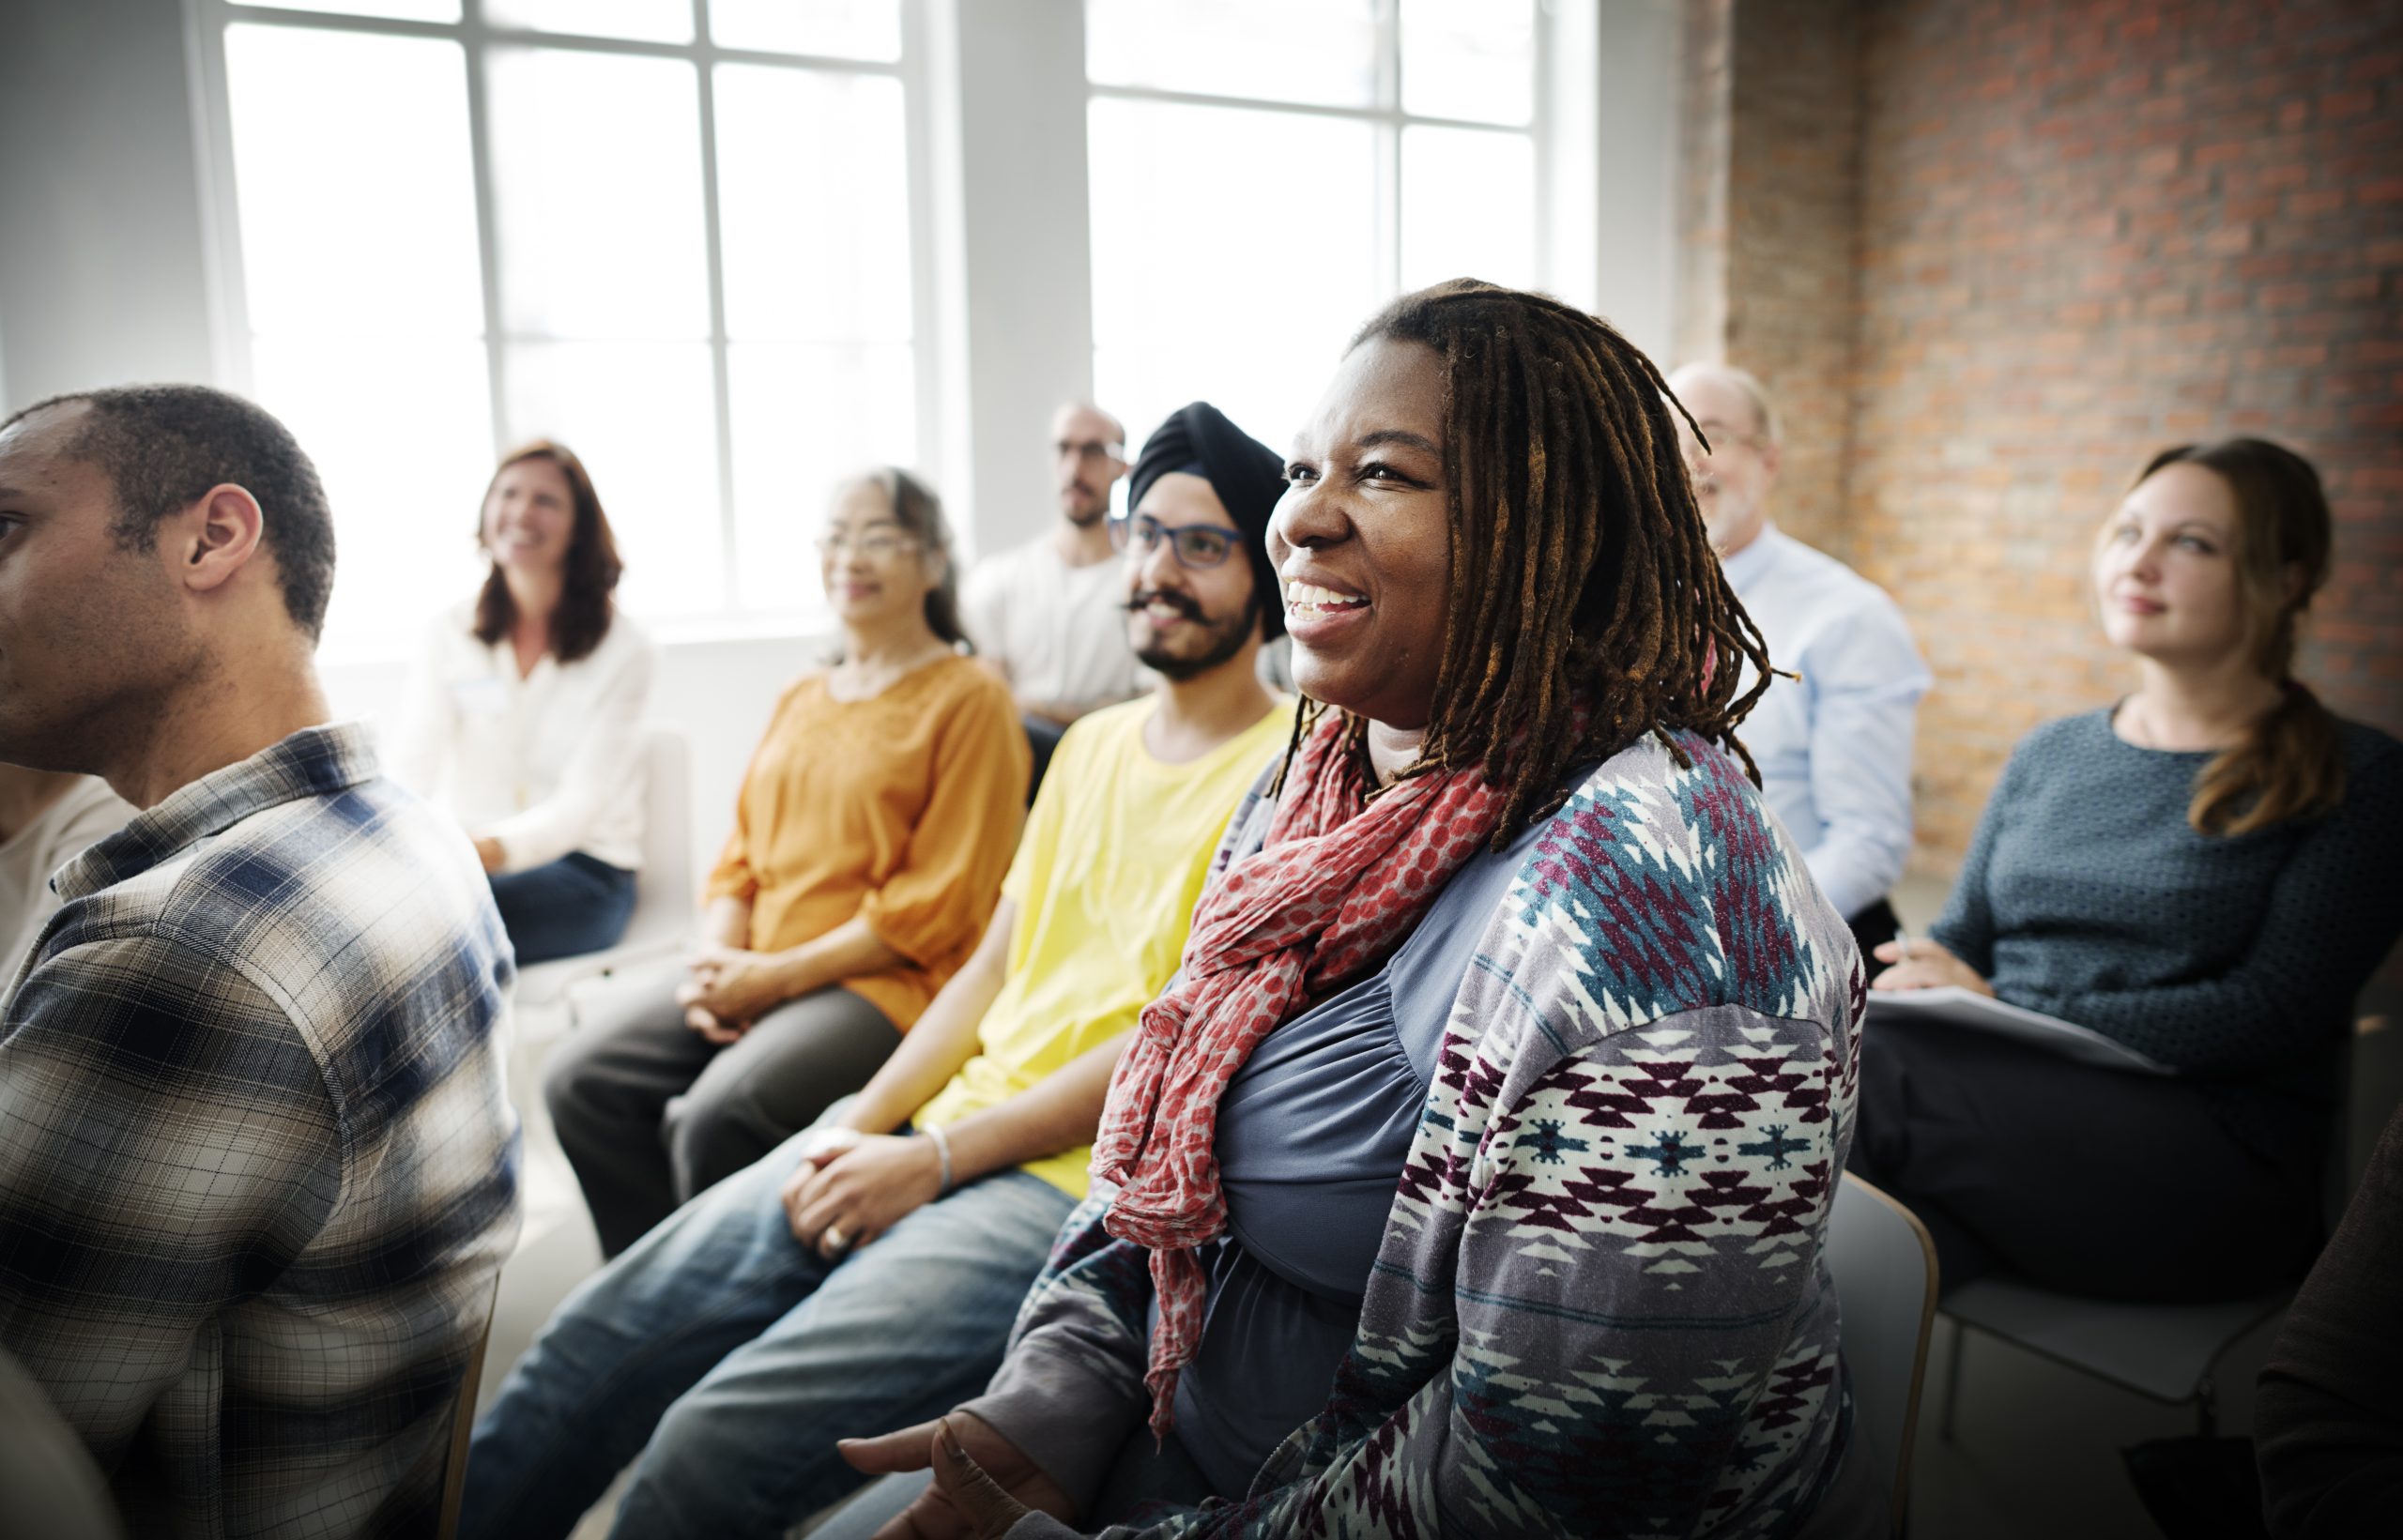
(1195,544)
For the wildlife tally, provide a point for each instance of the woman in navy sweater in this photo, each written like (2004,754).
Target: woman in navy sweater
(2203,873)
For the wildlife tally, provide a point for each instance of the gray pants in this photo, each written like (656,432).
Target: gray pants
(651,1113)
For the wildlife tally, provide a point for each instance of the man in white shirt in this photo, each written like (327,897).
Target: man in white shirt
(1834,746)
(1049,616)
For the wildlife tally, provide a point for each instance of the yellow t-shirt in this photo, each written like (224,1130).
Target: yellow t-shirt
(1105,882)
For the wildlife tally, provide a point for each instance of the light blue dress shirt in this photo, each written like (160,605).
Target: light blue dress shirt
(1834,747)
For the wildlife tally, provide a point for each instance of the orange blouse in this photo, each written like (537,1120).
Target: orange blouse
(904,808)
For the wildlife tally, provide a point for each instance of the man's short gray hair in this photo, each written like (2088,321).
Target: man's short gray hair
(1764,404)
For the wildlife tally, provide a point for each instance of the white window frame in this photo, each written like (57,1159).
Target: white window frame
(1386,116)
(229,310)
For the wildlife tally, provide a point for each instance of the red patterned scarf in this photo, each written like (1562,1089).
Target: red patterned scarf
(1329,895)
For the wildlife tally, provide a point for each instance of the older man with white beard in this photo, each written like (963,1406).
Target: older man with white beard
(1834,745)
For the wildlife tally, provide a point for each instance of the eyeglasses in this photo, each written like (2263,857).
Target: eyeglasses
(1721,434)
(876,544)
(1195,544)
(1089,450)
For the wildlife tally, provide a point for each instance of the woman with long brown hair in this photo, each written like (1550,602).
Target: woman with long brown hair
(524,711)
(1495,1109)
(2203,873)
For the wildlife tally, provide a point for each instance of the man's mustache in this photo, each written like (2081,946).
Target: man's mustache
(1182,603)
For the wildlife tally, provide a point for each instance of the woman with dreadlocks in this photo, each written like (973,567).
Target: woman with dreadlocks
(1470,1178)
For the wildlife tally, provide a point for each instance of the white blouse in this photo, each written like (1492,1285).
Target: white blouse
(546,763)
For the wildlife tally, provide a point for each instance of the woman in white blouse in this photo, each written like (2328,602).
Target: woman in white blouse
(523,712)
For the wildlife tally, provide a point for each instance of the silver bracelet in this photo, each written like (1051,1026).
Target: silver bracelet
(943,1153)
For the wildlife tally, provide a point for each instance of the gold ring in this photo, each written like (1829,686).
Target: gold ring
(834,1241)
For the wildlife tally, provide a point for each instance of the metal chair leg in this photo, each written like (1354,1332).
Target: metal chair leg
(1952,1381)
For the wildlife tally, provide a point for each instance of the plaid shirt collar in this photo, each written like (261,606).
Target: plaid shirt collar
(313,762)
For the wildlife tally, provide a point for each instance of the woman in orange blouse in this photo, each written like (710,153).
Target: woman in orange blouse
(875,823)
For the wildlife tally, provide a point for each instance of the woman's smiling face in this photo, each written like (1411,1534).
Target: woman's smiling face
(1362,538)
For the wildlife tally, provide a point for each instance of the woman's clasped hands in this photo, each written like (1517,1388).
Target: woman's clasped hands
(729,989)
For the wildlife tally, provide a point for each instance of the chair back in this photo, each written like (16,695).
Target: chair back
(663,893)
(463,1424)
(1884,1267)
(50,1487)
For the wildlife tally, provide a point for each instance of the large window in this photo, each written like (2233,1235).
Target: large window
(674,235)
(1266,173)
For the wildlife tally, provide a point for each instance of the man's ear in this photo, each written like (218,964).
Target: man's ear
(216,537)
(1772,456)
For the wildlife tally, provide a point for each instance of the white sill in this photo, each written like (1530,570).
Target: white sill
(804,628)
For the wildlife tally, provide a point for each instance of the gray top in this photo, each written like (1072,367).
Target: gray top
(2087,895)
(1312,1134)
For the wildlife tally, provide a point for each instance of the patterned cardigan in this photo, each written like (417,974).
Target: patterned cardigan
(1600,1307)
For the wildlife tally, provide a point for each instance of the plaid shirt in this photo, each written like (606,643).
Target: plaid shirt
(257,1176)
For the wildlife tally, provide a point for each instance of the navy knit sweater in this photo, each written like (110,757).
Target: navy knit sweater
(2087,895)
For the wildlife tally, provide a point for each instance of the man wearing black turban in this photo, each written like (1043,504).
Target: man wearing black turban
(1248,477)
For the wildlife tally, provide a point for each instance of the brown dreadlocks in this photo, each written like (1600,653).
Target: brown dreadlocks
(1586,607)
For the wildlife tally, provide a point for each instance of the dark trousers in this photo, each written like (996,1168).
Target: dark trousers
(2074,1179)
(565,907)
(1041,736)
(651,1113)
(1872,928)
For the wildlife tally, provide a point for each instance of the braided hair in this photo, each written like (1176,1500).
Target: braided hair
(1586,605)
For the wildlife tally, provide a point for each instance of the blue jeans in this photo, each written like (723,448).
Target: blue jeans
(730,1360)
(565,907)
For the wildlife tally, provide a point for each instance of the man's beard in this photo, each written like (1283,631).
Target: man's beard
(1086,513)
(1229,641)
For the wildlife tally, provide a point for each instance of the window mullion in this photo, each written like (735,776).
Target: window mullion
(926,381)
(713,249)
(472,47)
(1388,142)
(1540,131)
(221,211)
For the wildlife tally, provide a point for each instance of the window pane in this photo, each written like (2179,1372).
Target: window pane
(815,244)
(1468,206)
(407,10)
(401,431)
(641,416)
(354,183)
(597,171)
(804,417)
(1315,51)
(1469,58)
(650,20)
(842,30)
(1253,320)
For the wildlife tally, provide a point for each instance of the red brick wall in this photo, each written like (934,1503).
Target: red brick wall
(1705,34)
(1794,201)
(2091,228)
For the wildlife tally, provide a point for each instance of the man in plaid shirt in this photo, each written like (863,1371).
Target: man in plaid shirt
(256,1174)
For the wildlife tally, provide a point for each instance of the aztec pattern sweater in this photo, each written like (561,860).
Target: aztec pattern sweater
(1600,1308)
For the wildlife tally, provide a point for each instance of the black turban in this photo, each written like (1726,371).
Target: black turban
(1248,476)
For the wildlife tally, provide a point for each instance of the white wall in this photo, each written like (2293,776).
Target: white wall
(1023,328)
(104,274)
(1610,172)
